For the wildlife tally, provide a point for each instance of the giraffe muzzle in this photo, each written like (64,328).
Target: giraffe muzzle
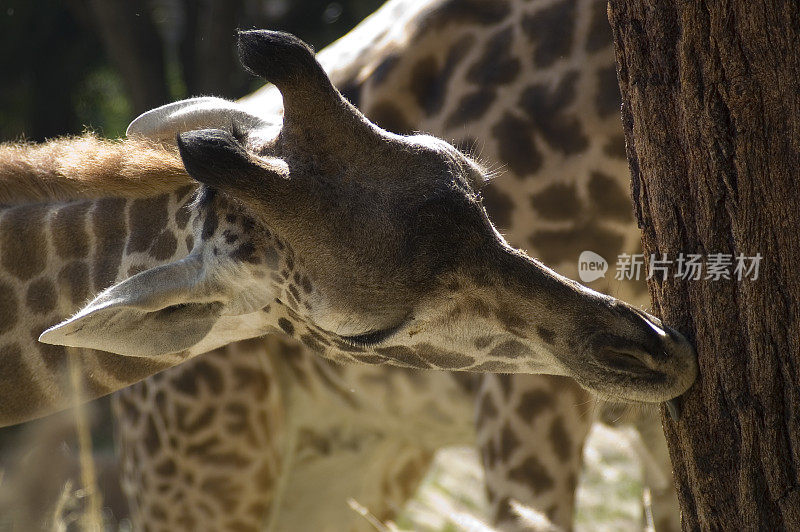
(647,362)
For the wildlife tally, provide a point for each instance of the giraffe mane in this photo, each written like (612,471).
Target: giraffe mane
(87,167)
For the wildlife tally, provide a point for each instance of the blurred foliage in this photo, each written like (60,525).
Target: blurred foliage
(61,77)
(47,58)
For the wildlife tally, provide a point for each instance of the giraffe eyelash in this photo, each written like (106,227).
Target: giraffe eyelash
(373,338)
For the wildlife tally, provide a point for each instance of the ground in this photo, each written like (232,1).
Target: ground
(451,499)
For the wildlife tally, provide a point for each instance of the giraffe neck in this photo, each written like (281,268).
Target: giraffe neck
(54,256)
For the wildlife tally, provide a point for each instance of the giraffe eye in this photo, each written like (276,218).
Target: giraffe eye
(372,338)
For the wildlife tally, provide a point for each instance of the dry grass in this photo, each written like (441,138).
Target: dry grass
(91,518)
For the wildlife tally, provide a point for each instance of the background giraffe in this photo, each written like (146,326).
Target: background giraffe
(535,83)
(217,483)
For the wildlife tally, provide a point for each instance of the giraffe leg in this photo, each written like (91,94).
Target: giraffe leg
(658,473)
(531,430)
(200,443)
(264,435)
(651,448)
(359,434)
(329,487)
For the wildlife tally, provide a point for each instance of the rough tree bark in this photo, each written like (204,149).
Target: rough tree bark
(711,111)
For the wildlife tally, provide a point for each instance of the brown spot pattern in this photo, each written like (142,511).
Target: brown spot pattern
(286,326)
(560,439)
(464,12)
(551,29)
(127,369)
(41,297)
(206,372)
(136,268)
(532,473)
(510,349)
(547,110)
(533,403)
(443,358)
(23,242)
(54,356)
(558,201)
(210,224)
(607,98)
(73,279)
(183,192)
(194,423)
(547,335)
(146,219)
(108,223)
(487,410)
(151,440)
(18,386)
(609,199)
(615,147)
(384,68)
(182,215)
(164,246)
(505,385)
(508,442)
(388,116)
(599,35)
(497,65)
(504,512)
(8,307)
(471,107)
(311,343)
(68,230)
(515,145)
(482,342)
(557,246)
(428,82)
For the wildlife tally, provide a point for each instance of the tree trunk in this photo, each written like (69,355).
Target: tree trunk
(711,111)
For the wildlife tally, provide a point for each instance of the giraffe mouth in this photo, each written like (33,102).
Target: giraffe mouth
(625,361)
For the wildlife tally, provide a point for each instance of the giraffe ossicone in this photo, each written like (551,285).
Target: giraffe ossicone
(368,246)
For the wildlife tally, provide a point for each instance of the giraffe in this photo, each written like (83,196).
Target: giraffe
(533,85)
(197,266)
(491,73)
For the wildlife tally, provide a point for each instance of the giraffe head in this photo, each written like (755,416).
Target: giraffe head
(365,245)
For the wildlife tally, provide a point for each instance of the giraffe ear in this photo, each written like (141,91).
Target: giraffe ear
(215,158)
(165,122)
(314,112)
(163,310)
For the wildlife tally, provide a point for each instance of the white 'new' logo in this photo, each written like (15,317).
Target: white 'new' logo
(591,266)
